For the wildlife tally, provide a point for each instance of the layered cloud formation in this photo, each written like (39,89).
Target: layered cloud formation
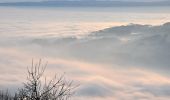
(129,62)
(131,45)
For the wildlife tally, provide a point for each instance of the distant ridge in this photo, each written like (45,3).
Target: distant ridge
(88,3)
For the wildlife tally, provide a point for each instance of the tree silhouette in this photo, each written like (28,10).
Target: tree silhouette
(36,89)
(5,95)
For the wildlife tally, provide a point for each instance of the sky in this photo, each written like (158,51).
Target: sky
(44,0)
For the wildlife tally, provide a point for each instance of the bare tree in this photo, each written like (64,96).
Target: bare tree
(36,89)
(5,95)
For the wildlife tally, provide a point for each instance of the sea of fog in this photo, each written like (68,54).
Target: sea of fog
(113,53)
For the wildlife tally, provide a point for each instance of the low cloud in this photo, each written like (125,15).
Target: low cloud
(129,62)
(95,90)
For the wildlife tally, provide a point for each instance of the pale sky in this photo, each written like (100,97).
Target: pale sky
(47,0)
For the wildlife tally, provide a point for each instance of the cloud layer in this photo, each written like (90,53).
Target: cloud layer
(131,45)
(125,62)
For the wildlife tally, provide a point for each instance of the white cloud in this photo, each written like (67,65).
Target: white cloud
(106,67)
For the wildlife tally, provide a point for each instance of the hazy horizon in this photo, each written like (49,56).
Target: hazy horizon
(87,3)
(77,0)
